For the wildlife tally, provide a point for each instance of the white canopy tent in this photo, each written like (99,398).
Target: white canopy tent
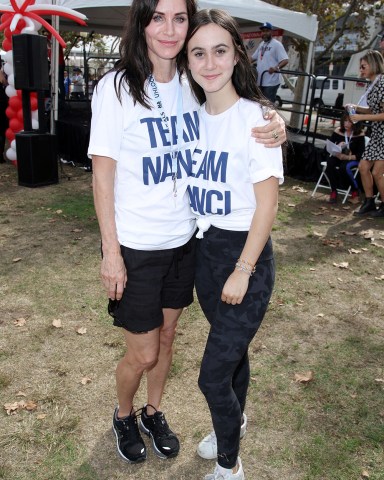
(108,16)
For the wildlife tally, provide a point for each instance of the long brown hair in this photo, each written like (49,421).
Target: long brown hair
(244,75)
(134,64)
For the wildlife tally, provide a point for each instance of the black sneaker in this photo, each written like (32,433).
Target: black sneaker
(367,207)
(129,443)
(164,441)
(379,213)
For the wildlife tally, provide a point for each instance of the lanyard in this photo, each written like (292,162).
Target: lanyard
(348,139)
(263,49)
(179,126)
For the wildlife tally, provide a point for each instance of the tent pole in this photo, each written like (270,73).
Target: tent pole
(54,74)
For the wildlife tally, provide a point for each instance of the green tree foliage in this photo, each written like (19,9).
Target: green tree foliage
(335,19)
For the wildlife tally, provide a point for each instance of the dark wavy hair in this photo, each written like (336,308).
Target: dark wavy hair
(244,75)
(134,64)
(357,127)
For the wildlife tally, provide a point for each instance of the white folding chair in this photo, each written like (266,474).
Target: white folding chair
(320,183)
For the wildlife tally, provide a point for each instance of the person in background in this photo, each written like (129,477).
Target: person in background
(67,84)
(270,57)
(371,166)
(235,208)
(77,81)
(3,117)
(144,130)
(350,137)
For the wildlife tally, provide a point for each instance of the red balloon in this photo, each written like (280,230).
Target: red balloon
(5,17)
(33,103)
(19,115)
(15,125)
(21,24)
(15,102)
(10,112)
(10,134)
(8,33)
(7,44)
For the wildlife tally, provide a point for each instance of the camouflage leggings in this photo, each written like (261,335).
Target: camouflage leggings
(224,372)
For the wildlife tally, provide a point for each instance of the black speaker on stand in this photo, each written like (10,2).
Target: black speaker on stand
(36,149)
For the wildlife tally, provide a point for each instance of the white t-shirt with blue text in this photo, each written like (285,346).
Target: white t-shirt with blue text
(226,164)
(147,215)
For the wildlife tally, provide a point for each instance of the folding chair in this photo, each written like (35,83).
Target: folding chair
(327,185)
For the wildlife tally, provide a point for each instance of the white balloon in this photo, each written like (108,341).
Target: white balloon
(35,124)
(11,154)
(13,144)
(8,68)
(35,114)
(11,79)
(10,91)
(8,57)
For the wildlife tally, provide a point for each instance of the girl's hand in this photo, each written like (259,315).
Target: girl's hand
(235,288)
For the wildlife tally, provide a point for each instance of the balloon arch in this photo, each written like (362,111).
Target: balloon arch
(23,16)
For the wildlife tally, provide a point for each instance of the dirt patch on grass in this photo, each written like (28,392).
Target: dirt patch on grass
(326,316)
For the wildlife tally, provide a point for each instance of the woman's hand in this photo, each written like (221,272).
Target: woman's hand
(273,134)
(113,275)
(235,288)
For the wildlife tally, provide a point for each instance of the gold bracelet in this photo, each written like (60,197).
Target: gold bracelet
(245,261)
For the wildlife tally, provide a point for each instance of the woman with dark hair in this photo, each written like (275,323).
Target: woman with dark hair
(371,166)
(351,139)
(143,133)
(234,194)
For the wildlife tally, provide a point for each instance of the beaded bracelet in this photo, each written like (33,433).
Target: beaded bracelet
(253,267)
(243,268)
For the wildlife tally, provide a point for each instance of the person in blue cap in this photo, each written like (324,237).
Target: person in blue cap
(270,56)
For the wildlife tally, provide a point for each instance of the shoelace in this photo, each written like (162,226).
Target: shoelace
(159,421)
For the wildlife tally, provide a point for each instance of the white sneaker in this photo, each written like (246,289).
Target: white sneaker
(221,473)
(207,448)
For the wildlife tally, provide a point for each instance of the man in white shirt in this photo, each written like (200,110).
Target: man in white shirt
(270,57)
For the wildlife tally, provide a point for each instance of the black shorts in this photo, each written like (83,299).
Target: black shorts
(157,279)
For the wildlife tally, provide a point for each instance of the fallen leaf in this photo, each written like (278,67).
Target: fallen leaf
(320,315)
(304,377)
(299,189)
(57,323)
(332,243)
(77,230)
(11,408)
(353,395)
(317,234)
(59,211)
(85,380)
(20,394)
(354,250)
(367,234)
(20,322)
(340,280)
(30,406)
(351,234)
(312,269)
(15,260)
(324,222)
(365,474)
(292,205)
(346,208)
(379,380)
(380,278)
(341,265)
(41,416)
(376,244)
(317,213)
(81,330)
